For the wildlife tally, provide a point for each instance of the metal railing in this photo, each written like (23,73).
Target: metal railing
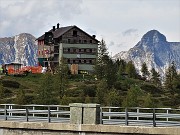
(48,113)
(135,116)
(156,117)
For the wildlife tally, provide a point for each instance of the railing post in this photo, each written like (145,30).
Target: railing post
(126,117)
(109,111)
(167,119)
(57,114)
(27,113)
(154,118)
(5,112)
(49,114)
(33,110)
(101,117)
(10,107)
(138,113)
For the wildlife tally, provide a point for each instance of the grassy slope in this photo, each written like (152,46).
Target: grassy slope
(76,90)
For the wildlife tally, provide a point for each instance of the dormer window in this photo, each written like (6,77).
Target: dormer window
(75,33)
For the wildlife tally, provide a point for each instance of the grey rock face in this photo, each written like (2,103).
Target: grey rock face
(21,48)
(155,51)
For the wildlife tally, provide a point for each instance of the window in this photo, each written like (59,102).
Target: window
(87,50)
(85,41)
(77,50)
(82,50)
(93,50)
(79,41)
(76,61)
(75,41)
(68,61)
(87,61)
(71,61)
(75,33)
(66,50)
(69,40)
(90,41)
(71,50)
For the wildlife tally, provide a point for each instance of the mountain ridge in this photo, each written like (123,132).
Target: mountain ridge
(20,48)
(155,51)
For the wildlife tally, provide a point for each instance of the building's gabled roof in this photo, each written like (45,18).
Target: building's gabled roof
(59,32)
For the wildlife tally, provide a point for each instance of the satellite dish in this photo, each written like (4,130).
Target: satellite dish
(48,38)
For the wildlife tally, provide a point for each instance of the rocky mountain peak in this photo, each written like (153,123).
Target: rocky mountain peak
(21,48)
(155,51)
(153,36)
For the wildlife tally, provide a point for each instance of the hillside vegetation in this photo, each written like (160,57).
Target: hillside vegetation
(113,83)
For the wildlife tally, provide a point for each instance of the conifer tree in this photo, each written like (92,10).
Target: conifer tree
(131,99)
(61,78)
(131,70)
(170,77)
(110,71)
(105,68)
(144,70)
(102,50)
(148,101)
(87,99)
(155,77)
(102,89)
(65,100)
(2,90)
(45,93)
(121,68)
(102,53)
(171,83)
(113,98)
(20,98)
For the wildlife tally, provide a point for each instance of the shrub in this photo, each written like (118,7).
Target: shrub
(10,84)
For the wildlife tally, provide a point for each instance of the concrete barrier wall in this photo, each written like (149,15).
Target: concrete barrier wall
(84,120)
(44,128)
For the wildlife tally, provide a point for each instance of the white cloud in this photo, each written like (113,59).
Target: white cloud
(129,32)
(35,15)
(108,19)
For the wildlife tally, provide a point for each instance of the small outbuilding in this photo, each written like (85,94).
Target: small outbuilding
(12,68)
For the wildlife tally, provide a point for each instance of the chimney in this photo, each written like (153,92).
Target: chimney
(94,36)
(58,26)
(54,28)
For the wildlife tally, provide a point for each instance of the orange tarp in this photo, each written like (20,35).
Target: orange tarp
(34,70)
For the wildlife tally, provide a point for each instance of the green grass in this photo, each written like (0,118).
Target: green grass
(79,88)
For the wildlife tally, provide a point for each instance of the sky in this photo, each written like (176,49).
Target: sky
(121,23)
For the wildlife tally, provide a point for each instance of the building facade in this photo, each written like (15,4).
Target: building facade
(76,47)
